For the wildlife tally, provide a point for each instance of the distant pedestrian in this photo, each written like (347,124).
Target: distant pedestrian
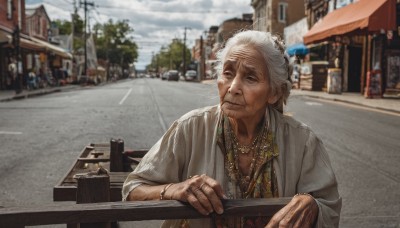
(13,71)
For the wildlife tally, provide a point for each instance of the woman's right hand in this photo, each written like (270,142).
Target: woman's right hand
(202,192)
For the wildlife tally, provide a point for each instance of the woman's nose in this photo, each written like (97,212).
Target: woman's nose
(236,86)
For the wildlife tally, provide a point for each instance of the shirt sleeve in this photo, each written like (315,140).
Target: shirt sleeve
(163,163)
(317,177)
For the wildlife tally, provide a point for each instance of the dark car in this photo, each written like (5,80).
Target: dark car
(173,75)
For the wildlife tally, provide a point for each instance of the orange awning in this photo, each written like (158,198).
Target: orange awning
(364,15)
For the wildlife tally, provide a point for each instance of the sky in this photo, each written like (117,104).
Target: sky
(155,22)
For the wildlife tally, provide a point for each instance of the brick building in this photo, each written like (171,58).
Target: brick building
(274,15)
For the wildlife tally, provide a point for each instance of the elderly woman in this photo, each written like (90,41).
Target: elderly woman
(242,148)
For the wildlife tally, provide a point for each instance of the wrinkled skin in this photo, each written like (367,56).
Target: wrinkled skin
(300,212)
(244,96)
(202,192)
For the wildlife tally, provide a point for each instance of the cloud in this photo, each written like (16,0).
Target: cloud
(155,22)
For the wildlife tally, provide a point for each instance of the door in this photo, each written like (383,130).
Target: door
(354,69)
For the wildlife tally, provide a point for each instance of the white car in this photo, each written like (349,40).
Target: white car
(191,75)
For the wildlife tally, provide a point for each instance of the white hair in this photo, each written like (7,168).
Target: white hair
(277,60)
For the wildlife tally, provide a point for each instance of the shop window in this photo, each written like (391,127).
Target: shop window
(282,12)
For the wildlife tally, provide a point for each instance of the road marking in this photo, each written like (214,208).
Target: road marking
(313,103)
(10,133)
(126,96)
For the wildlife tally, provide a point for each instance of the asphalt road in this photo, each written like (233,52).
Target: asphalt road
(41,137)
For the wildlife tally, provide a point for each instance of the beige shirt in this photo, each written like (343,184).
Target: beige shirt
(189,148)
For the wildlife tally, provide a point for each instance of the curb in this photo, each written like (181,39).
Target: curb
(35,94)
(350,102)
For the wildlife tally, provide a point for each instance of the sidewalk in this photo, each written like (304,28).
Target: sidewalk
(385,104)
(8,95)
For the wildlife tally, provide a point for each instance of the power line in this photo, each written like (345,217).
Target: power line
(165,11)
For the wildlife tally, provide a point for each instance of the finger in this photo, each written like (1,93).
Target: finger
(202,198)
(213,198)
(284,217)
(192,200)
(215,186)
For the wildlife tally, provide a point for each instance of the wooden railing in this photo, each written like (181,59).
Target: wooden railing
(129,211)
(92,190)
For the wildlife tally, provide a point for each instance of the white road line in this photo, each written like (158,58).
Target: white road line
(10,133)
(126,96)
(313,103)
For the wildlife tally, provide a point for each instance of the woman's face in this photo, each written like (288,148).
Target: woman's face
(243,85)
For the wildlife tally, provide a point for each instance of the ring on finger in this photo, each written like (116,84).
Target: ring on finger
(201,186)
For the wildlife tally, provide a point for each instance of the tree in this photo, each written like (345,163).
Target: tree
(65,28)
(170,57)
(114,44)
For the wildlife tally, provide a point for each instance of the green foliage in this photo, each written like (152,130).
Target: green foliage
(65,28)
(114,44)
(170,57)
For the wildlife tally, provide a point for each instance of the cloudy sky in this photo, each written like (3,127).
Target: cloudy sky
(156,22)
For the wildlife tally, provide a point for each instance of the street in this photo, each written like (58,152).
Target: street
(41,138)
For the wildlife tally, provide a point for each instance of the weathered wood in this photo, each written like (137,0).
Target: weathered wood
(93,160)
(116,156)
(131,211)
(94,188)
(136,153)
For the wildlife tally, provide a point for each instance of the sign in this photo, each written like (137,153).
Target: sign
(294,33)
(374,84)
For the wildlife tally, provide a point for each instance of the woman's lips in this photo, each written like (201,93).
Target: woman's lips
(232,103)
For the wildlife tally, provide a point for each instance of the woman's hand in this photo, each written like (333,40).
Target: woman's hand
(301,211)
(202,192)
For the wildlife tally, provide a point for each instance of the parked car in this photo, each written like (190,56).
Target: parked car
(173,75)
(164,75)
(191,75)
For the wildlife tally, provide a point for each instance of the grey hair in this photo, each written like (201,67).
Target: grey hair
(277,60)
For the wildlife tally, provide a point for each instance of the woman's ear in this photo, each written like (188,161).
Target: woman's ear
(273,99)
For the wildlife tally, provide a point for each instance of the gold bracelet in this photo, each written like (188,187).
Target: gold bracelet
(303,194)
(162,193)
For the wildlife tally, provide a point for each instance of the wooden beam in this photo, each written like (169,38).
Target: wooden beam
(130,211)
(93,188)
(116,155)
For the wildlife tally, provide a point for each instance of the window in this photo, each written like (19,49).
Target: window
(282,12)
(9,9)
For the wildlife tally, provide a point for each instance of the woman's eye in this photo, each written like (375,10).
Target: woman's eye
(251,78)
(228,74)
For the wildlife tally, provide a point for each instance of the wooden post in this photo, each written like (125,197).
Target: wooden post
(116,155)
(94,188)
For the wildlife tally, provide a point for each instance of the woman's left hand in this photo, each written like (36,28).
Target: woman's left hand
(301,211)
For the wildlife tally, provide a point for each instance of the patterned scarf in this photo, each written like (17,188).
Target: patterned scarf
(261,182)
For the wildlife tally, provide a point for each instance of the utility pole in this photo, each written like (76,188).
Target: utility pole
(202,70)
(85,4)
(184,52)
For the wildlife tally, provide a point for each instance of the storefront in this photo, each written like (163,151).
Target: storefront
(364,42)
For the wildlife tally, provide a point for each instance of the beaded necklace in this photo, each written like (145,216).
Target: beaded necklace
(245,181)
(245,149)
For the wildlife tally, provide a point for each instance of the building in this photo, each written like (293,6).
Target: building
(15,43)
(23,38)
(367,50)
(274,15)
(231,26)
